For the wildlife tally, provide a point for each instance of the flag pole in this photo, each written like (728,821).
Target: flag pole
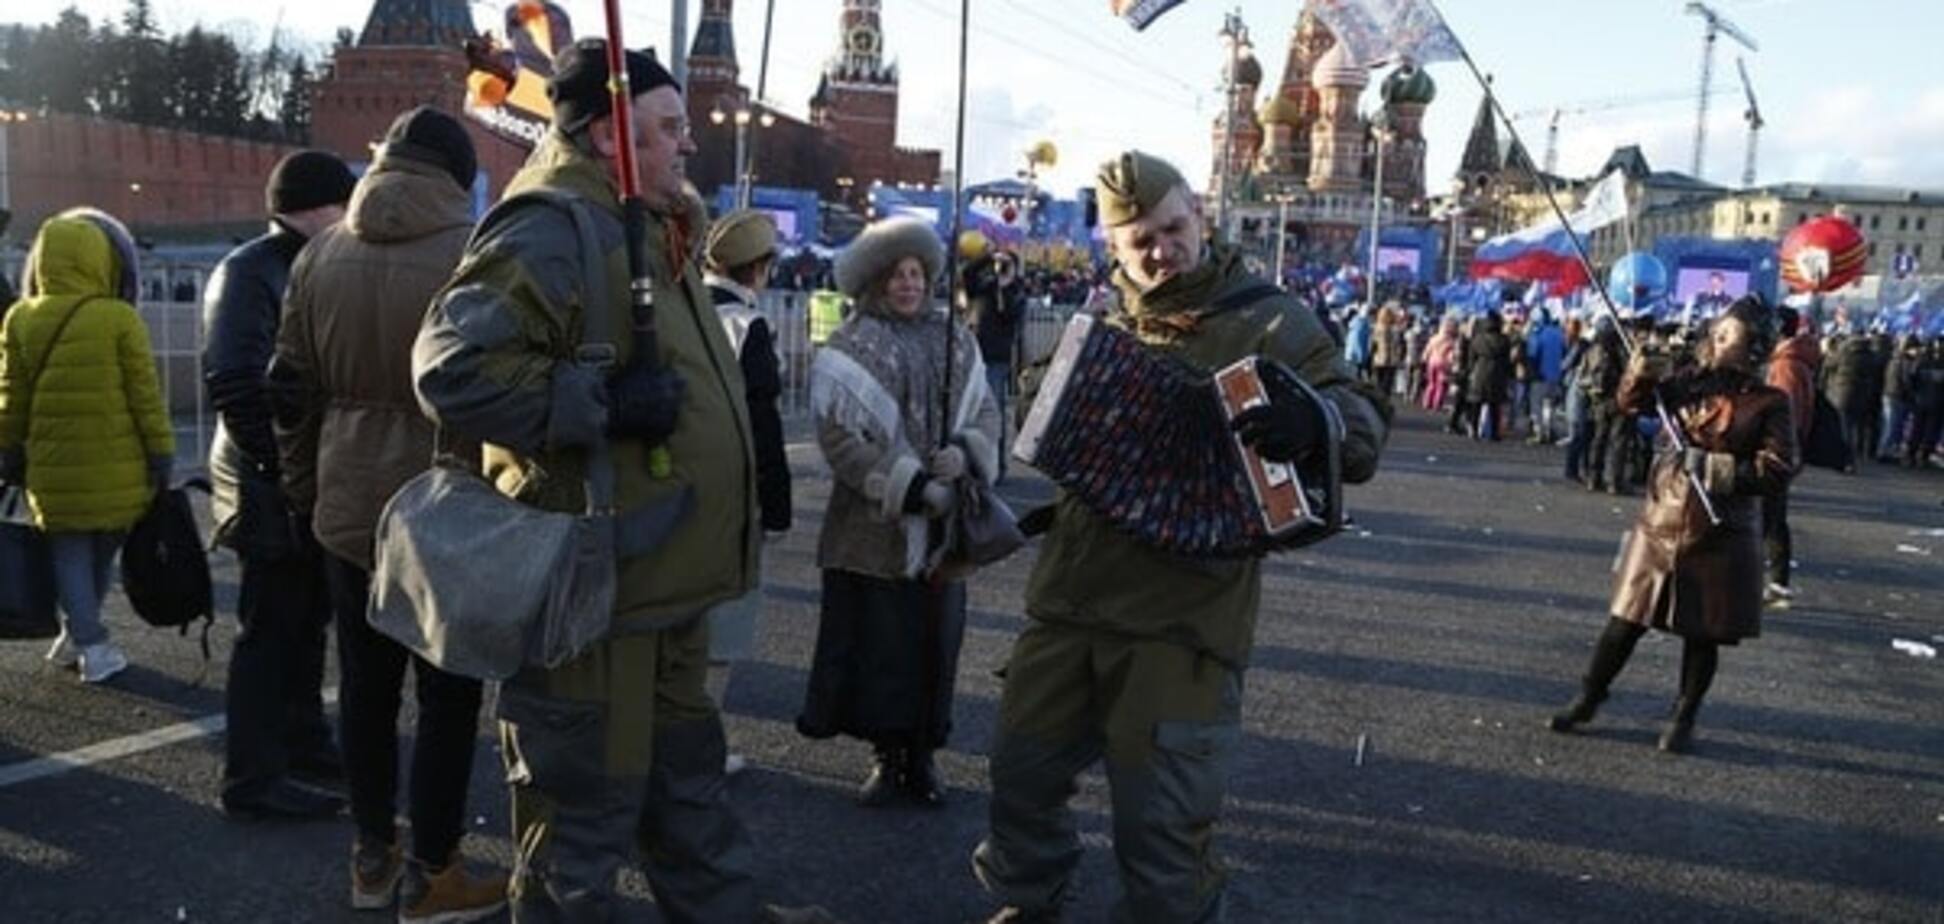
(958,225)
(1668,425)
(634,213)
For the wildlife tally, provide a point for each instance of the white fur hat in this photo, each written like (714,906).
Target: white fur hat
(881,246)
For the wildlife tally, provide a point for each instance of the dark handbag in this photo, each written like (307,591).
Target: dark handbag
(1826,447)
(164,570)
(27,596)
(263,526)
(26,572)
(481,585)
(980,531)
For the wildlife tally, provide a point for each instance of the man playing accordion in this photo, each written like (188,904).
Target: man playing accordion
(1133,654)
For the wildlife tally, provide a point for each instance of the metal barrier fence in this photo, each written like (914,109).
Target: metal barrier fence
(172,308)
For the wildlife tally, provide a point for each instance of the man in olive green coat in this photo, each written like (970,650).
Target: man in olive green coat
(619,750)
(1133,654)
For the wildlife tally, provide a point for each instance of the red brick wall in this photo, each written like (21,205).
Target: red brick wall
(148,177)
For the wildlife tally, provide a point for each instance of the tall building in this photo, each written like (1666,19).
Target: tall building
(856,103)
(1315,163)
(1337,138)
(849,141)
(1406,94)
(1236,135)
(408,54)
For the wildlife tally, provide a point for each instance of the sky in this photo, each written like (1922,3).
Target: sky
(1845,86)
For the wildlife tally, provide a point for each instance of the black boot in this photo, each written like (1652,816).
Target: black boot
(887,776)
(921,778)
(1677,737)
(1578,712)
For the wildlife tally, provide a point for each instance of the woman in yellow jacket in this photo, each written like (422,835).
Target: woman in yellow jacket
(81,417)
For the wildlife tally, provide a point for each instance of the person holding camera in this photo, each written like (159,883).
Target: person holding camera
(996,303)
(1680,571)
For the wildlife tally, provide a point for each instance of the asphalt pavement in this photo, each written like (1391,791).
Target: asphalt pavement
(1394,766)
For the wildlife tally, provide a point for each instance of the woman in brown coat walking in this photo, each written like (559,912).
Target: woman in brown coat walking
(1680,573)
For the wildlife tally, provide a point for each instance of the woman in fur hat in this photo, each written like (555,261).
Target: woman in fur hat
(1680,573)
(889,635)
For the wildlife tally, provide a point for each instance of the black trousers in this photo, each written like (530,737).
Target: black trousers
(274,700)
(1613,443)
(1924,431)
(371,669)
(1776,542)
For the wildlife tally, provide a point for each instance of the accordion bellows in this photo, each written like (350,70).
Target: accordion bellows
(1143,440)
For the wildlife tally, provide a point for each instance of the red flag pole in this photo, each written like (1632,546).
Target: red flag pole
(634,214)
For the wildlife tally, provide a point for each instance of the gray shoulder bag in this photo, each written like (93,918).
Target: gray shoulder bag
(481,585)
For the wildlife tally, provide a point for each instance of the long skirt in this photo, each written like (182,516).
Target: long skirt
(886,661)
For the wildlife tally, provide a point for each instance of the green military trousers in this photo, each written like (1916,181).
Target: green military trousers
(621,751)
(1165,719)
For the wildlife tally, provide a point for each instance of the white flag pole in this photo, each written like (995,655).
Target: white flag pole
(1668,425)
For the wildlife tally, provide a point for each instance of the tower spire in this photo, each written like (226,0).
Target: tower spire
(1481,149)
(418,23)
(712,56)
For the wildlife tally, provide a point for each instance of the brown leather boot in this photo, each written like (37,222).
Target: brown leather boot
(448,895)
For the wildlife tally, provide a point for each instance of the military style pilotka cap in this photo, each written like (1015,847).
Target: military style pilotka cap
(740,238)
(1131,184)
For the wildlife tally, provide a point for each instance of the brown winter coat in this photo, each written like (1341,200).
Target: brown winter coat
(1792,368)
(1680,573)
(349,428)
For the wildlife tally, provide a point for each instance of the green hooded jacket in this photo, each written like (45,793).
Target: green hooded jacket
(493,364)
(95,419)
(1093,576)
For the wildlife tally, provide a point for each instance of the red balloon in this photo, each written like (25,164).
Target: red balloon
(1009,214)
(1823,255)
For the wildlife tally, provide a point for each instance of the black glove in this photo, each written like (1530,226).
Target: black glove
(1288,427)
(13,465)
(643,403)
(1038,520)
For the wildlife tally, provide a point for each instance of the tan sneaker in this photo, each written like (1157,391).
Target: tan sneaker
(375,871)
(449,896)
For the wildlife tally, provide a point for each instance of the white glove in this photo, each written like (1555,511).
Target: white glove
(939,499)
(948,464)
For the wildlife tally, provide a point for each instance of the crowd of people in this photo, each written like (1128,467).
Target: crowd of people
(1556,381)
(376,329)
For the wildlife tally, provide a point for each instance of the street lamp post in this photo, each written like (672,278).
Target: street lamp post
(7,118)
(1380,129)
(1282,235)
(1237,35)
(743,116)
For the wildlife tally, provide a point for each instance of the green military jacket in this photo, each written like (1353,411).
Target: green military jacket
(490,363)
(1093,576)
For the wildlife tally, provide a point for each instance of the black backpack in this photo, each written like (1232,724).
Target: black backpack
(1826,447)
(164,569)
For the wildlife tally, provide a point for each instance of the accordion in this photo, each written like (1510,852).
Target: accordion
(1143,439)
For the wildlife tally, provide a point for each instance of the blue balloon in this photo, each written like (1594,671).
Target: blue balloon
(1636,281)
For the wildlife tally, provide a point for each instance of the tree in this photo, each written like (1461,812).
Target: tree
(59,72)
(141,67)
(295,114)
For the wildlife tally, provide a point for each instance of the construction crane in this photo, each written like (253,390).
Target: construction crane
(1553,114)
(1716,26)
(1753,115)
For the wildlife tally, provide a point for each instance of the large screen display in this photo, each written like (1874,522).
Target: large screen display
(1397,261)
(1707,289)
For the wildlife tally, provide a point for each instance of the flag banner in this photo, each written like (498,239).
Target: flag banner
(1545,252)
(506,84)
(1139,13)
(1379,31)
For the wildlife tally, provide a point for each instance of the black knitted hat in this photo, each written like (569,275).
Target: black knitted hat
(431,137)
(307,180)
(579,90)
